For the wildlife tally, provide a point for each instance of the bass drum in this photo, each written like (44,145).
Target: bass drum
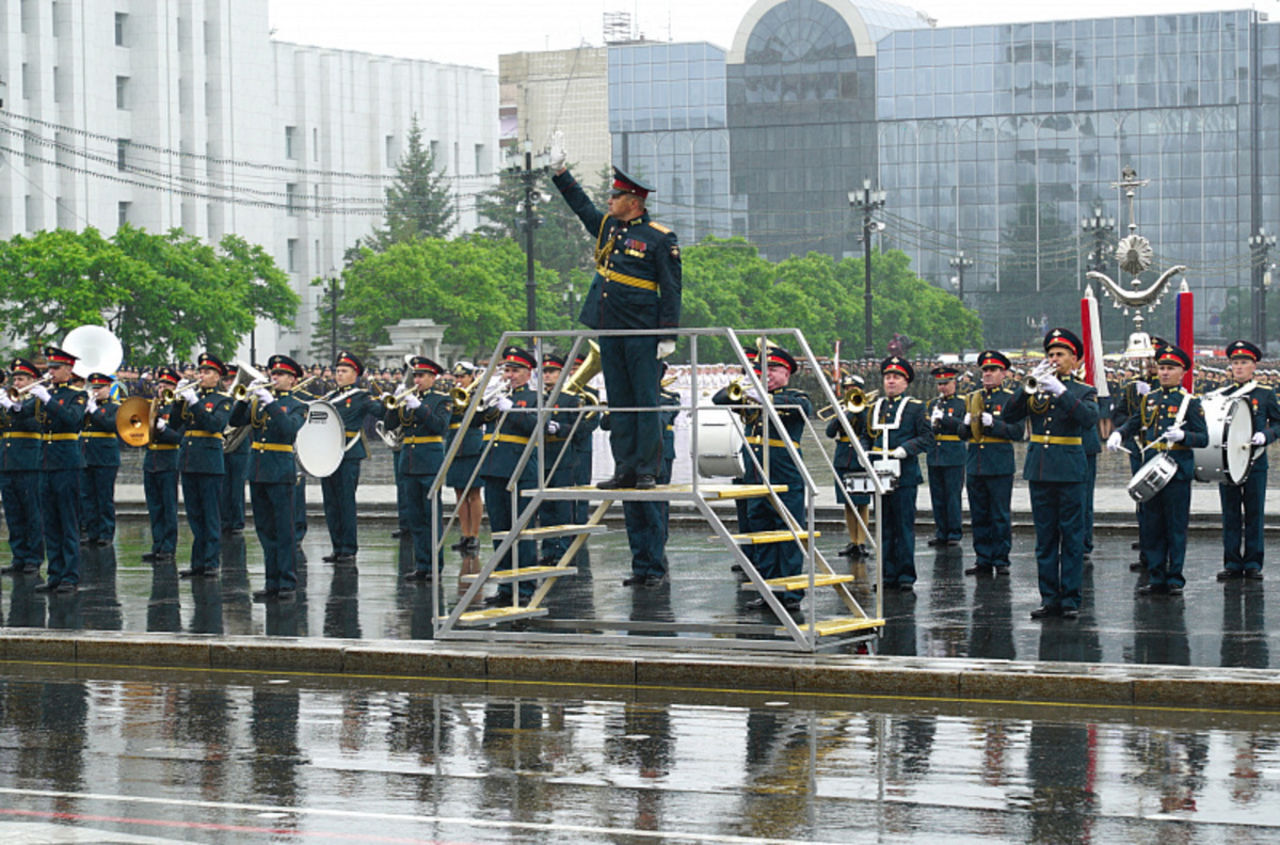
(1229,455)
(1152,477)
(719,444)
(321,439)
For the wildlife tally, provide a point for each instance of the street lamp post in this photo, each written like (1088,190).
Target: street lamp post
(333,314)
(529,175)
(1099,227)
(1260,244)
(868,201)
(960,263)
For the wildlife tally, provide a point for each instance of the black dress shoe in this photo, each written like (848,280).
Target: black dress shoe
(633,580)
(980,570)
(1153,590)
(791,603)
(418,576)
(65,588)
(472,547)
(1045,611)
(149,555)
(265,595)
(1135,545)
(618,482)
(1229,574)
(953,543)
(646,482)
(1173,590)
(848,550)
(652,581)
(163,557)
(191,573)
(398,533)
(1002,569)
(209,573)
(47,587)
(31,569)
(329,558)
(497,600)
(12,569)
(906,587)
(936,541)
(1253,574)
(344,558)
(757,603)
(286,594)
(1137,566)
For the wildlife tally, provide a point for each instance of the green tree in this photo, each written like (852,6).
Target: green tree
(420,202)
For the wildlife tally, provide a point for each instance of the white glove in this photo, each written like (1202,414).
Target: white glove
(1174,435)
(412,402)
(936,415)
(1259,438)
(987,419)
(504,404)
(898,453)
(6,402)
(752,394)
(1053,385)
(91,405)
(190,396)
(553,427)
(1142,388)
(665,348)
(556,155)
(161,424)
(264,396)
(1114,441)
(40,392)
(968,419)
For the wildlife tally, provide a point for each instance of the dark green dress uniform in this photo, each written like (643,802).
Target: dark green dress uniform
(889,424)
(202,465)
(582,446)
(508,434)
(1164,533)
(61,468)
(101,465)
(945,461)
(989,480)
(160,477)
(637,285)
(235,462)
(23,455)
(1056,470)
(272,477)
(559,459)
(468,455)
(421,456)
(647,521)
(1126,405)
(1243,505)
(355,406)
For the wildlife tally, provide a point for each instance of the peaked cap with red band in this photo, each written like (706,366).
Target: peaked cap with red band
(551,361)
(1174,355)
(54,355)
(207,360)
(100,379)
(423,364)
(23,367)
(515,356)
(168,374)
(778,355)
(944,372)
(894,364)
(284,364)
(1244,349)
(346,359)
(1066,339)
(993,358)
(630,185)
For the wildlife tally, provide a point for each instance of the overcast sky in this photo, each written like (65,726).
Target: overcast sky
(477,32)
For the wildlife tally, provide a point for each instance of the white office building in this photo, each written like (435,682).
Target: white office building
(185,113)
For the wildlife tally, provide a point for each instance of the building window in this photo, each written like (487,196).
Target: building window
(122,213)
(481,164)
(315,144)
(390,153)
(315,199)
(58,83)
(290,140)
(26,81)
(121,19)
(291,198)
(122,153)
(291,255)
(122,92)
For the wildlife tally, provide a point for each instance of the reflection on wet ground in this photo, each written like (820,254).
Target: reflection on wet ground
(188,757)
(949,614)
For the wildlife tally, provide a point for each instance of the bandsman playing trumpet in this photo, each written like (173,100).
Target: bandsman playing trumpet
(235,458)
(557,452)
(354,405)
(62,465)
(1056,470)
(101,460)
(1168,420)
(422,414)
(845,460)
(23,452)
(945,458)
(160,474)
(989,466)
(202,416)
(276,416)
(470,506)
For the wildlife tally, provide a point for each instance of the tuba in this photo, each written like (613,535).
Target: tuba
(577,383)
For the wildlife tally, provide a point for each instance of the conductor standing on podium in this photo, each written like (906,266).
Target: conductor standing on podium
(636,286)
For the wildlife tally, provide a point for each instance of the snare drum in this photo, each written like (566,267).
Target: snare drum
(1152,477)
(719,444)
(1229,455)
(321,441)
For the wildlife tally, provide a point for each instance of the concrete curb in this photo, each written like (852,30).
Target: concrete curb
(951,680)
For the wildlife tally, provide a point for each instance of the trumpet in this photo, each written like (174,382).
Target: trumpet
(495,391)
(395,400)
(248,378)
(168,394)
(852,401)
(737,394)
(461,397)
(16,393)
(1031,384)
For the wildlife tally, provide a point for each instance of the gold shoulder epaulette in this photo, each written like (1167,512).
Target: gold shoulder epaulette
(663,229)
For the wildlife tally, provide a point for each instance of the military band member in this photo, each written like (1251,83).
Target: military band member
(896,427)
(160,476)
(354,405)
(989,469)
(946,458)
(23,455)
(782,559)
(1056,471)
(1168,420)
(559,456)
(235,459)
(845,460)
(582,444)
(423,414)
(62,414)
(101,460)
(508,431)
(276,416)
(203,414)
(470,506)
(1243,504)
(637,285)
(1125,406)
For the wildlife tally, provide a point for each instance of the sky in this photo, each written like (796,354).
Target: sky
(475,33)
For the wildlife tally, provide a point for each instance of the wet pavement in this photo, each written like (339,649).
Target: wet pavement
(949,615)
(149,757)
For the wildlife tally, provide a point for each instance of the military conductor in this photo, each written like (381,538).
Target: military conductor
(636,286)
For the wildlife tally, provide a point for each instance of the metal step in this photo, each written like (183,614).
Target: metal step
(840,625)
(546,532)
(801,582)
(664,492)
(757,538)
(496,615)
(528,573)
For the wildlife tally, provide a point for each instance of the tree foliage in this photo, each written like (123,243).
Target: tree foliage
(164,296)
(420,201)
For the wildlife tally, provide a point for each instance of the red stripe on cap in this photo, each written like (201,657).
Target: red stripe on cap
(895,368)
(992,362)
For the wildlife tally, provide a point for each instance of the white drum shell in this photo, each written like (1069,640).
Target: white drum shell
(1229,455)
(719,444)
(321,439)
(1152,477)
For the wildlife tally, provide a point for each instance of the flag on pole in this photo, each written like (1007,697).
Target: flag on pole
(1185,337)
(1095,372)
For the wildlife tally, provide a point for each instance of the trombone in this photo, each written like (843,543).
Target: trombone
(853,401)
